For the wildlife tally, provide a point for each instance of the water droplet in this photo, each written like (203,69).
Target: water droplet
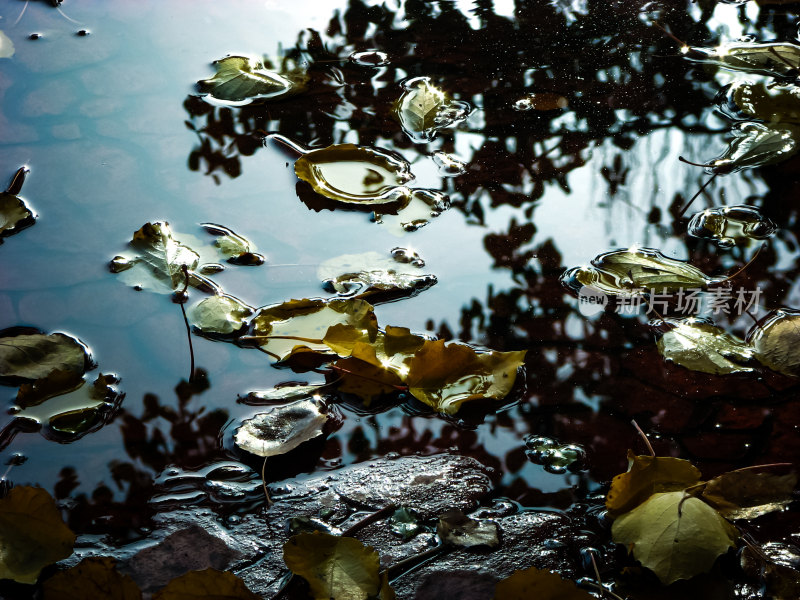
(554,457)
(404,255)
(726,226)
(369,58)
(211,268)
(35,36)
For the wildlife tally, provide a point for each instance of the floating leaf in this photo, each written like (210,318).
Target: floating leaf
(772,59)
(746,494)
(634,272)
(277,328)
(33,356)
(235,248)
(159,261)
(758,100)
(424,109)
(648,475)
(700,346)
(91,579)
(281,428)
(421,207)
(730,225)
(57,382)
(14,213)
(371,274)
(239,80)
(32,534)
(356,174)
(365,375)
(220,315)
(336,568)
(675,536)
(208,584)
(538,583)
(449,165)
(776,341)
(457,529)
(445,376)
(755,145)
(280,395)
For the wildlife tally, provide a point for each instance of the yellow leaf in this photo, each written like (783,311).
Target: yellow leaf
(91,579)
(538,583)
(32,534)
(208,584)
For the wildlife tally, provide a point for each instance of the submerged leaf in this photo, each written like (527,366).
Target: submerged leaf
(538,583)
(281,428)
(356,174)
(236,249)
(457,529)
(747,494)
(776,341)
(14,213)
(445,376)
(91,579)
(634,272)
(239,80)
(424,109)
(675,536)
(701,346)
(648,475)
(373,275)
(32,534)
(772,59)
(755,145)
(730,225)
(208,584)
(220,315)
(336,568)
(33,356)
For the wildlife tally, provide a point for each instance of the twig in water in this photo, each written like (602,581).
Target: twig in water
(700,191)
(264,482)
(644,437)
(186,322)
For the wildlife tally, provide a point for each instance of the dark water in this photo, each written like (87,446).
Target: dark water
(101,121)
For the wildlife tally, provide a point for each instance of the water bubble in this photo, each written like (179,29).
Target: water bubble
(555,457)
(369,58)
(211,268)
(404,255)
(729,225)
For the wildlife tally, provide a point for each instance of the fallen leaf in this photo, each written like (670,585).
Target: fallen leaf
(648,475)
(240,80)
(91,579)
(634,272)
(701,346)
(365,375)
(775,341)
(756,145)
(771,59)
(32,534)
(281,395)
(675,536)
(6,46)
(731,225)
(538,583)
(747,494)
(336,568)
(220,315)
(208,584)
(424,109)
(281,428)
(236,249)
(56,383)
(457,529)
(766,102)
(14,213)
(32,356)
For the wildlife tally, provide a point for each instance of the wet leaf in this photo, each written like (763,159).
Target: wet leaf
(336,568)
(365,375)
(747,494)
(731,225)
(756,145)
(775,340)
(701,346)
(457,529)
(356,174)
(14,213)
(424,109)
(766,102)
(634,272)
(236,249)
(772,59)
(159,261)
(275,328)
(444,376)
(648,475)
(33,356)
(239,80)
(281,428)
(91,579)
(208,584)
(54,384)
(220,315)
(675,543)
(405,523)
(281,395)
(32,534)
(372,275)
(538,583)
(782,580)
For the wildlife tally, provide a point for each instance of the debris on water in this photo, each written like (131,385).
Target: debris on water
(219,483)
(449,166)
(730,225)
(370,58)
(404,255)
(541,101)
(424,109)
(555,457)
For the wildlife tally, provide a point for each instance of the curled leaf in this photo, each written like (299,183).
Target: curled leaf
(32,534)
(208,584)
(538,583)
(457,529)
(240,79)
(235,248)
(731,225)
(91,579)
(776,341)
(701,346)
(14,213)
(281,428)
(336,568)
(748,494)
(675,536)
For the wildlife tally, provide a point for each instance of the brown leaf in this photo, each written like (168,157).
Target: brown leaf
(208,584)
(91,579)
(538,583)
(746,494)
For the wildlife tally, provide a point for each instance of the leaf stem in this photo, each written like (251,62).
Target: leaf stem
(700,191)
(264,482)
(399,388)
(370,518)
(282,337)
(644,437)
(186,323)
(749,262)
